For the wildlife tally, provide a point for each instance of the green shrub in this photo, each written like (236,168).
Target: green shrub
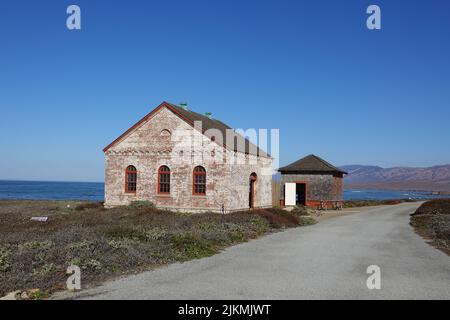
(190,246)
(84,245)
(45,270)
(155,234)
(38,295)
(121,243)
(32,245)
(5,256)
(125,232)
(91,264)
(75,262)
(261,225)
(300,211)
(238,236)
(208,225)
(114,269)
(90,205)
(307,221)
(141,204)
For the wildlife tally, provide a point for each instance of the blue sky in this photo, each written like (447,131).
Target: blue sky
(310,68)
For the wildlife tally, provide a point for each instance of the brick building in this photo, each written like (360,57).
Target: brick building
(182,160)
(312,182)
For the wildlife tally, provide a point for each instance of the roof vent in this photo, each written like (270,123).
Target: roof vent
(208,114)
(184,105)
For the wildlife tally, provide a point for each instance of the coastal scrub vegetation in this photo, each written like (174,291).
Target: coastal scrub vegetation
(432,221)
(108,242)
(368,203)
(300,210)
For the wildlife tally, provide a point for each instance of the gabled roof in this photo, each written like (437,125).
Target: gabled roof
(310,164)
(243,145)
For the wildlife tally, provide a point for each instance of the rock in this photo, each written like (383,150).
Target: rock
(24,296)
(11,296)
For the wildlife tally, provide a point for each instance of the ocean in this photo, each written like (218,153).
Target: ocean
(378,194)
(94,191)
(42,190)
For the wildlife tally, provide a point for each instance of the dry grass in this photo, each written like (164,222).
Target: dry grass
(106,243)
(432,220)
(368,203)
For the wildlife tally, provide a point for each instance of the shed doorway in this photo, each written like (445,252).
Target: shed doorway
(251,192)
(295,193)
(300,194)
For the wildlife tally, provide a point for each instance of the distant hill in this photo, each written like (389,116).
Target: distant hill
(435,178)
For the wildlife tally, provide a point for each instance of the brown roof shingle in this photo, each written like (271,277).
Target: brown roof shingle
(311,163)
(242,144)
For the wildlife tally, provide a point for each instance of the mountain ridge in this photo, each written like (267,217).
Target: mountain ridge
(435,178)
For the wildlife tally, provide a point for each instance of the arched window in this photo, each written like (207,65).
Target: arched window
(130,179)
(164,179)
(199,181)
(166,133)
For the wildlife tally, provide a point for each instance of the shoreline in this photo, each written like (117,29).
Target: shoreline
(380,188)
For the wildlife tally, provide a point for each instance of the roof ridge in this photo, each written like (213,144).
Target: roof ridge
(259,151)
(199,114)
(311,163)
(207,123)
(325,162)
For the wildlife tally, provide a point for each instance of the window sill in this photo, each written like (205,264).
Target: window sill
(163,195)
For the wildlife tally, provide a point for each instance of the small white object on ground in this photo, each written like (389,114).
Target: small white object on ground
(40,219)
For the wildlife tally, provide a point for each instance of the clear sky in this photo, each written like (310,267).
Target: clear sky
(310,68)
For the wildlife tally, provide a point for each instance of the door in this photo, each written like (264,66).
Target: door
(300,191)
(289,194)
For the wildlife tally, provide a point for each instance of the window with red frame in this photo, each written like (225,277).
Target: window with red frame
(164,179)
(130,179)
(199,179)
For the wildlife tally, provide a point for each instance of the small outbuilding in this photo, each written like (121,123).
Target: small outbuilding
(312,182)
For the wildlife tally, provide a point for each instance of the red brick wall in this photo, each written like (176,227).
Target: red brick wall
(149,147)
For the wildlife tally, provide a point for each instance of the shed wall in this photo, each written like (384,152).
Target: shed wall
(320,187)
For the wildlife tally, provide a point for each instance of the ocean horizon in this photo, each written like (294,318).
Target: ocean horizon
(94,191)
(51,190)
